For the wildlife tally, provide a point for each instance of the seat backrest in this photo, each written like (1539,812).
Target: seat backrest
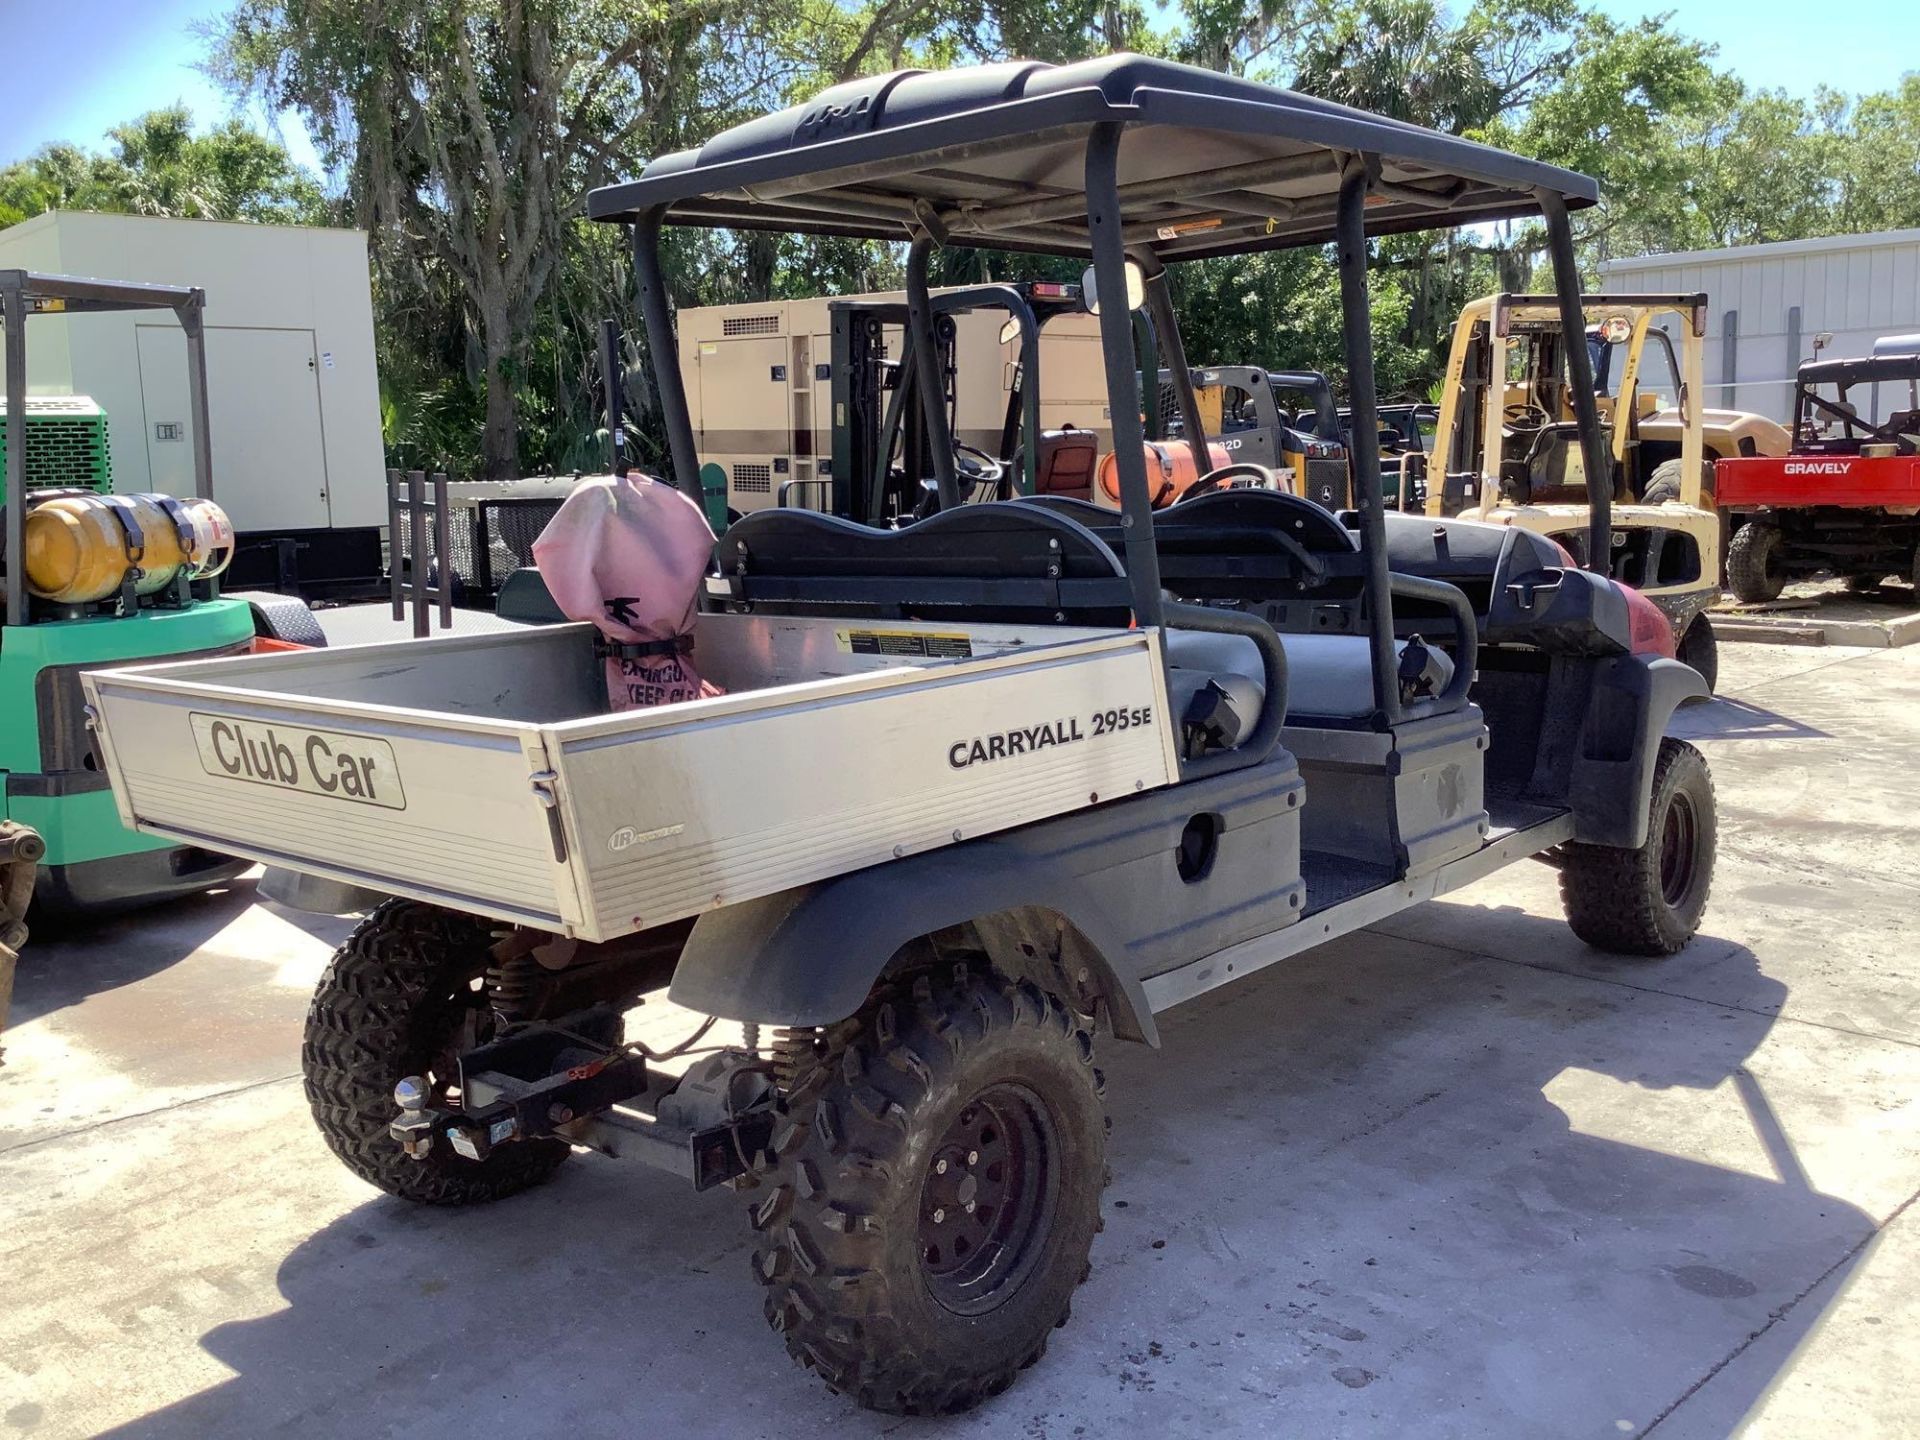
(1556,469)
(1065,462)
(525,599)
(1013,561)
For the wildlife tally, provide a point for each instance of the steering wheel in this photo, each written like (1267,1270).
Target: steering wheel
(1218,479)
(973,468)
(1525,415)
(977,465)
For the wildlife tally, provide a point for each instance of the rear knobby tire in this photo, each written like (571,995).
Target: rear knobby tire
(1701,649)
(1649,901)
(889,1304)
(400,998)
(1756,569)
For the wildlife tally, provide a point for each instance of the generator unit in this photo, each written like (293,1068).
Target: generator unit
(66,443)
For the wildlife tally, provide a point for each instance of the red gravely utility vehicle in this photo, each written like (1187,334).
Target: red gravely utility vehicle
(1845,499)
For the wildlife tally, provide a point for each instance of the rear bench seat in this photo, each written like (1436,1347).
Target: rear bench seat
(1251,546)
(1329,677)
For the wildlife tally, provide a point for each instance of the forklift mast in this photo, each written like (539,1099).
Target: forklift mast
(881,449)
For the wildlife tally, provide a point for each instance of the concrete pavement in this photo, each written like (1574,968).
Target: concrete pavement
(1454,1176)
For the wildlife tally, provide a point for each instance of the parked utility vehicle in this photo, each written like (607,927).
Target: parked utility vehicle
(1845,500)
(1507,443)
(979,794)
(1241,408)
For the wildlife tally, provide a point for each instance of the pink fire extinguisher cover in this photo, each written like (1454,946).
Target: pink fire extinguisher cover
(628,554)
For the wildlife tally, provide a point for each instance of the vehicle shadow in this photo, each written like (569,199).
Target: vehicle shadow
(1387,1188)
(69,958)
(1722,718)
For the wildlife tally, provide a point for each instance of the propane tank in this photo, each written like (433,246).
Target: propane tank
(1169,470)
(81,545)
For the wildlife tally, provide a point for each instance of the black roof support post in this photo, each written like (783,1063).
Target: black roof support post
(1363,453)
(668,384)
(13,313)
(610,382)
(1123,375)
(1167,326)
(1586,412)
(926,369)
(192,318)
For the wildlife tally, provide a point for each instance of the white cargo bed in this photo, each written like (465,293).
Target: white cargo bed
(484,773)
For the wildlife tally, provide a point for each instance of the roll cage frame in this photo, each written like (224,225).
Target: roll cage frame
(952,158)
(1856,430)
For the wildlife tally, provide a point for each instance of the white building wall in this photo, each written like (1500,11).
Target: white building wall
(293,391)
(1858,288)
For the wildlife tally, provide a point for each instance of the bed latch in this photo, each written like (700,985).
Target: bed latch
(546,789)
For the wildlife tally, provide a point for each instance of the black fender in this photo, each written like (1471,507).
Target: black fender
(810,955)
(1631,701)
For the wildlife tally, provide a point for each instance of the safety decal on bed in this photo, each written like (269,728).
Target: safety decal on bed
(918,644)
(314,762)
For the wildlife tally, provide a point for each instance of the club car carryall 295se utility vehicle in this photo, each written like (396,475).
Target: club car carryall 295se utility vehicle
(983,788)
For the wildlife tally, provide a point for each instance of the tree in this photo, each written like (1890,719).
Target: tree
(471,131)
(1879,173)
(159,166)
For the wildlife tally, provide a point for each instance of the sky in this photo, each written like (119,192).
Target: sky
(109,60)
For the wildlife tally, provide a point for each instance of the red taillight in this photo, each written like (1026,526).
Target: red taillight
(1652,632)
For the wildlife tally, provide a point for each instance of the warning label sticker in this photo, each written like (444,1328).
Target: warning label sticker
(919,644)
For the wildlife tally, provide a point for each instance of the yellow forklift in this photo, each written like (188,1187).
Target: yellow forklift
(1508,452)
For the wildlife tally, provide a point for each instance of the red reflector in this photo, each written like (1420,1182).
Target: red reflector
(1652,632)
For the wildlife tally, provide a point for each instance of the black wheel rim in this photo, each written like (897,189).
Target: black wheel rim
(987,1200)
(1679,839)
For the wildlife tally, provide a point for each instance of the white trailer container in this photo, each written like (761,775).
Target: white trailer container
(1768,304)
(292,388)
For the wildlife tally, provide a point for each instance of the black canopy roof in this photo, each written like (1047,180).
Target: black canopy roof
(993,156)
(1860,371)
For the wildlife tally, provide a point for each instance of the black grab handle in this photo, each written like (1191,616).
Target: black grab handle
(1265,735)
(1466,629)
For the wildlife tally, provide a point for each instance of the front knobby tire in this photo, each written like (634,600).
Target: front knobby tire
(1700,648)
(403,996)
(1756,566)
(954,1092)
(1649,901)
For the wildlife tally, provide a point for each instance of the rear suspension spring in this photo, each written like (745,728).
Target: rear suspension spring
(513,987)
(795,1050)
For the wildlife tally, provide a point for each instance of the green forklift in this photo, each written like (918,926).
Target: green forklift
(162,602)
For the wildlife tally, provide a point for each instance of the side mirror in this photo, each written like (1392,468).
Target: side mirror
(1136,288)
